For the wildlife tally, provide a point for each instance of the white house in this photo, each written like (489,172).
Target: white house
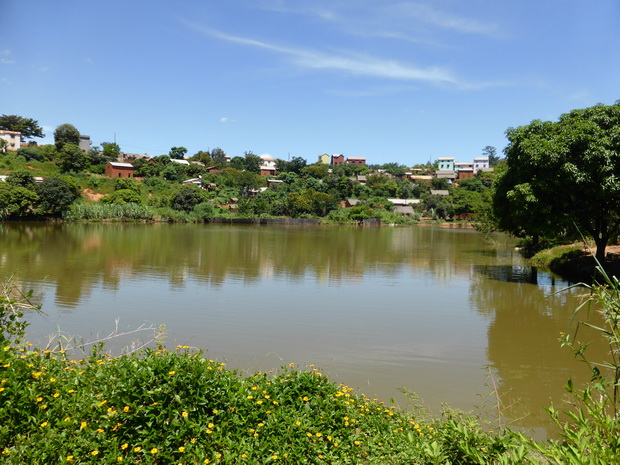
(13,140)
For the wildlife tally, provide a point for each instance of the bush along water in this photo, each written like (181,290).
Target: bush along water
(160,406)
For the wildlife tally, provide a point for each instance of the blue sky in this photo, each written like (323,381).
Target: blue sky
(393,81)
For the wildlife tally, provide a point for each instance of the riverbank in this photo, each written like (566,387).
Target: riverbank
(576,262)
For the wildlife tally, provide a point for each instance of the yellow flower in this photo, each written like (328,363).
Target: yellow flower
(52,380)
(209,431)
(125,409)
(124,446)
(357,443)
(44,424)
(171,372)
(211,425)
(57,394)
(67,418)
(275,457)
(39,399)
(119,459)
(137,449)
(100,430)
(1,389)
(206,461)
(298,423)
(244,456)
(83,425)
(181,449)
(193,440)
(154,450)
(185,414)
(69,458)
(95,452)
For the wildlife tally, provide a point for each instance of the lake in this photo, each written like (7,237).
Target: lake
(447,313)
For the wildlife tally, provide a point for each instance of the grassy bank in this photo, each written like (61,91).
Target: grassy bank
(160,406)
(575,262)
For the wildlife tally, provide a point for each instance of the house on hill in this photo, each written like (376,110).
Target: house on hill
(13,140)
(358,161)
(114,169)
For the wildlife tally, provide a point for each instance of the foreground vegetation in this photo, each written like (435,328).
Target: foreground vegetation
(175,406)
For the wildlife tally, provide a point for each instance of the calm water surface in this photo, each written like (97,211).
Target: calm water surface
(429,309)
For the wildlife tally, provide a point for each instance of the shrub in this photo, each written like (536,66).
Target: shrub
(122,197)
(187,198)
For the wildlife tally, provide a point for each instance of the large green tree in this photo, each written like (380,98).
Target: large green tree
(56,194)
(66,134)
(71,158)
(563,177)
(27,126)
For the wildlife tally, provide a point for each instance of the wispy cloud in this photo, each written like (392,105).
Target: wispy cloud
(41,69)
(5,61)
(433,16)
(354,64)
(396,20)
(225,119)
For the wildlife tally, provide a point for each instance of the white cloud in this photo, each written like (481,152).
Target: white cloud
(359,65)
(430,15)
(398,21)
(6,61)
(226,119)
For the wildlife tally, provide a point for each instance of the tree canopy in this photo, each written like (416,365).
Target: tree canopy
(66,134)
(563,177)
(27,126)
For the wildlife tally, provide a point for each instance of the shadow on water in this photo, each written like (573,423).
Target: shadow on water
(521,275)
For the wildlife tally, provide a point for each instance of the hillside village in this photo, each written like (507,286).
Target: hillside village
(445,189)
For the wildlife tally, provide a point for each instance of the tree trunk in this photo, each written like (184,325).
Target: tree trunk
(601,245)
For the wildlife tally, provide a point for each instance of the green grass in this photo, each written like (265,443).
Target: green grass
(557,255)
(162,406)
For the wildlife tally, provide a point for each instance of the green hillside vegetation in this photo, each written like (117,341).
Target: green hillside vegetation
(235,191)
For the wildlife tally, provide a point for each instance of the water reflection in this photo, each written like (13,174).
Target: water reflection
(522,275)
(75,258)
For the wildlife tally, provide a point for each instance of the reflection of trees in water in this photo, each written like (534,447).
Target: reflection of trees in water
(523,346)
(75,257)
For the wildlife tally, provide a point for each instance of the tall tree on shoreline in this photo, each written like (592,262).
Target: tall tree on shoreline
(563,178)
